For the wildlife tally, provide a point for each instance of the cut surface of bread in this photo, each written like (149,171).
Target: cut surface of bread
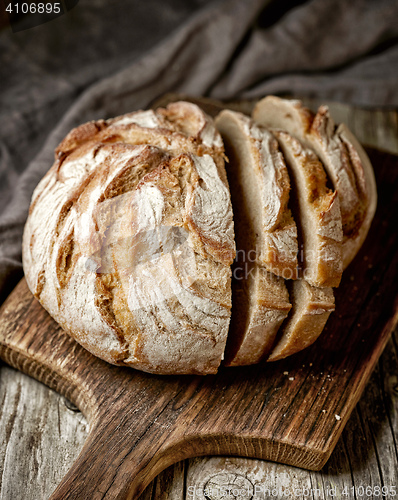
(129,247)
(317,212)
(259,187)
(261,177)
(260,304)
(342,156)
(311,307)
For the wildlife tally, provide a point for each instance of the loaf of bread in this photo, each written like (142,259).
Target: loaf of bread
(132,234)
(129,245)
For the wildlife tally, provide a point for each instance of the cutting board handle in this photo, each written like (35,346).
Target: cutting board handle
(114,463)
(136,420)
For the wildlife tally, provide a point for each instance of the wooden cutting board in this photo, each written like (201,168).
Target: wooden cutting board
(292,411)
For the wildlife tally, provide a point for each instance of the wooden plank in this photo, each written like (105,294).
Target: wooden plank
(348,453)
(40,437)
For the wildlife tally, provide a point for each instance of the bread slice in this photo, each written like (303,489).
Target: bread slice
(260,305)
(311,309)
(344,159)
(259,172)
(317,212)
(264,229)
(129,246)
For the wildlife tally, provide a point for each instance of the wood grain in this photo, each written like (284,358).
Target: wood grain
(318,377)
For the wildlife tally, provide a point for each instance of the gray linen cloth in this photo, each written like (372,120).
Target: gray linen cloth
(106,58)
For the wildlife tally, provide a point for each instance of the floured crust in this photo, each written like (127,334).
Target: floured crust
(257,164)
(180,127)
(344,159)
(129,246)
(311,308)
(318,210)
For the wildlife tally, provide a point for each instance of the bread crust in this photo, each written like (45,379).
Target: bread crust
(129,246)
(360,161)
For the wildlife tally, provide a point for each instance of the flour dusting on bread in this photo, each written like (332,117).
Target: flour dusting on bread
(134,261)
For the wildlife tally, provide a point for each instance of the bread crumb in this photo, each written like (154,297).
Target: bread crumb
(291,378)
(337,417)
(285,373)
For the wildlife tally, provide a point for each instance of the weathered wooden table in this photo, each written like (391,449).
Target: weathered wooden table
(41,433)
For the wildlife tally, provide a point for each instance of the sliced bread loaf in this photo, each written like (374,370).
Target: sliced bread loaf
(130,237)
(344,159)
